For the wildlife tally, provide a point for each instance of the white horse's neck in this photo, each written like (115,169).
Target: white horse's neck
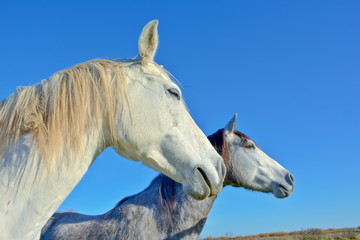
(37,191)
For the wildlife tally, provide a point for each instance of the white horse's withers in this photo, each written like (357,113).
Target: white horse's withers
(50,133)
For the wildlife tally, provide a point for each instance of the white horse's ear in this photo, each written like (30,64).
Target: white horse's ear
(231,125)
(148,41)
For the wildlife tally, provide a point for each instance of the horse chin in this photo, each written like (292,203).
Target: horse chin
(198,192)
(280,191)
(199,185)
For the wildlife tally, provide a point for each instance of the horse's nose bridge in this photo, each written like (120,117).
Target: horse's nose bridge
(208,158)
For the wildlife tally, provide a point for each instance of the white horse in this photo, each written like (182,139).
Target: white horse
(50,134)
(164,211)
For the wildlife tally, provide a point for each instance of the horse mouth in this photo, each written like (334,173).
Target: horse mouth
(206,179)
(202,184)
(282,192)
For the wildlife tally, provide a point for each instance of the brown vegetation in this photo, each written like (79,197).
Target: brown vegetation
(310,234)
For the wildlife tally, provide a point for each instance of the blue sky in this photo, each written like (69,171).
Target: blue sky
(291,69)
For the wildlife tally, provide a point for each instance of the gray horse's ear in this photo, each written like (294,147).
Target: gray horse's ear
(231,125)
(149,41)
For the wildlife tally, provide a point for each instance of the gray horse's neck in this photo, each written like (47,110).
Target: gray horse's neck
(161,211)
(171,213)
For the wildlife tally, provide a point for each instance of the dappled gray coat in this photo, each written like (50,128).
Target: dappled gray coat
(161,211)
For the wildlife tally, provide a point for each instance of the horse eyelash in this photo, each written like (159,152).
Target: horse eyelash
(175,94)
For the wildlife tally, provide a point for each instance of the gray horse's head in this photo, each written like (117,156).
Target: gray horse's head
(248,166)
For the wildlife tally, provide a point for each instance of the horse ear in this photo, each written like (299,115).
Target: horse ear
(231,125)
(148,41)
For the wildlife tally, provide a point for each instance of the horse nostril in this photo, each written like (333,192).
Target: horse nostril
(290,178)
(206,179)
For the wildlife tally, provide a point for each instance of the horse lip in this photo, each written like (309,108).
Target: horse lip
(206,179)
(284,190)
(282,187)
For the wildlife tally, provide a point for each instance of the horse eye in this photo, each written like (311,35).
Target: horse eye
(251,145)
(174,92)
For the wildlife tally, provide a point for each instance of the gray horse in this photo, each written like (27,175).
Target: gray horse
(164,211)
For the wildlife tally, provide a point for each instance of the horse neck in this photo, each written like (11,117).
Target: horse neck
(190,216)
(170,212)
(31,192)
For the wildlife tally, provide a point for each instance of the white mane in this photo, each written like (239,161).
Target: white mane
(59,110)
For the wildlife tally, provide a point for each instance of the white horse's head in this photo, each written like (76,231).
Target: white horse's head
(248,166)
(162,134)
